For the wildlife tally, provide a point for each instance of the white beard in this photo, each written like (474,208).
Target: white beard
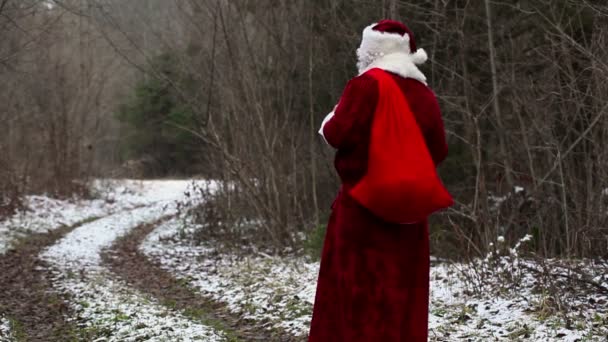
(364,60)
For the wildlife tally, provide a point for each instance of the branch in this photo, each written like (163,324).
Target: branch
(595,284)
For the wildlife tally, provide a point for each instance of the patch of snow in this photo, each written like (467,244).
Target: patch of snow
(282,291)
(5,330)
(109,305)
(43,214)
(143,192)
(526,238)
(511,313)
(263,288)
(49,4)
(496,201)
(82,247)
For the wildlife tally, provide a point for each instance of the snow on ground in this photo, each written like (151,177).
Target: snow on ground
(143,192)
(109,306)
(5,330)
(43,213)
(280,293)
(521,313)
(81,248)
(507,297)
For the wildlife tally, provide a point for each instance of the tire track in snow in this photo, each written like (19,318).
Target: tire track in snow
(106,306)
(149,277)
(275,293)
(24,296)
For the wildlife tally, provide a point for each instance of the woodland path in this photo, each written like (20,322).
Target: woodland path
(128,270)
(88,282)
(35,313)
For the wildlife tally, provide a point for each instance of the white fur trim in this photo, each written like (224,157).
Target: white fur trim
(390,52)
(325,121)
(400,63)
(387,42)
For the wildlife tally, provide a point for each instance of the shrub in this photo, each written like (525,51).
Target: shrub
(160,123)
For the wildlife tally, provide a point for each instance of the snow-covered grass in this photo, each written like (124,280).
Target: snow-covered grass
(279,292)
(81,249)
(143,192)
(43,213)
(108,306)
(502,297)
(523,312)
(508,297)
(5,330)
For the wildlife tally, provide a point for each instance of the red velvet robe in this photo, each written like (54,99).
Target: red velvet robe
(374,278)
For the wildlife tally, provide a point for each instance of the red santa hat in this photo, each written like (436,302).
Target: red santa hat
(390,36)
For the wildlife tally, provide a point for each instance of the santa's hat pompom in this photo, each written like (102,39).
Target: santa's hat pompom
(419,57)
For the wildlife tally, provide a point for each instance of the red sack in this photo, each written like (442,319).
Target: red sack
(401,184)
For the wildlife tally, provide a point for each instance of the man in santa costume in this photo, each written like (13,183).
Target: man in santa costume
(387,129)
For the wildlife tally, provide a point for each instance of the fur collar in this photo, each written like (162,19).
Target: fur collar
(402,64)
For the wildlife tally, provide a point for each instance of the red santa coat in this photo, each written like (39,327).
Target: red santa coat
(373,282)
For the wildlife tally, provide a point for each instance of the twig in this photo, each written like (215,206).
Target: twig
(569,277)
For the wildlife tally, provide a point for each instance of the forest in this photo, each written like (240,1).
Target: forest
(228,96)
